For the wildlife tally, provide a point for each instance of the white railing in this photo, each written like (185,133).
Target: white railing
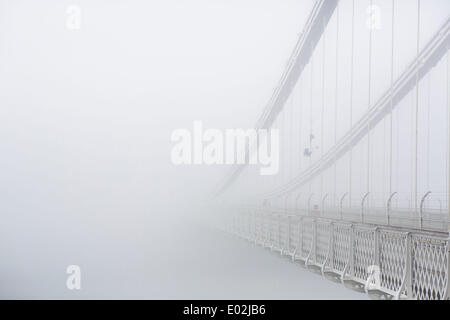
(411,264)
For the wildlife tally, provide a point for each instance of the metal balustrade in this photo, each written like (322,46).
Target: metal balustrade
(339,253)
(393,247)
(429,267)
(413,264)
(388,234)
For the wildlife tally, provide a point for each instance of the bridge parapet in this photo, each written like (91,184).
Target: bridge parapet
(386,262)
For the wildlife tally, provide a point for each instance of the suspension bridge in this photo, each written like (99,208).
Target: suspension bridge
(362,195)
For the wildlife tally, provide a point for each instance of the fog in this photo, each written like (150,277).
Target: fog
(328,101)
(85,122)
(86,117)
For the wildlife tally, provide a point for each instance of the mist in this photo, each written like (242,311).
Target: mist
(86,117)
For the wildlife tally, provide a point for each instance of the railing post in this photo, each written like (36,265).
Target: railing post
(315,239)
(362,206)
(388,207)
(309,203)
(340,205)
(296,201)
(422,201)
(377,248)
(330,253)
(352,253)
(288,242)
(301,226)
(299,239)
(408,278)
(448,268)
(312,249)
(286,203)
(279,231)
(288,221)
(323,204)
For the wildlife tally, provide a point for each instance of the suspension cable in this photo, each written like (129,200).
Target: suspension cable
(416,151)
(310,114)
(368,106)
(336,99)
(448,137)
(300,127)
(284,138)
(351,100)
(322,135)
(291,134)
(391,96)
(428,127)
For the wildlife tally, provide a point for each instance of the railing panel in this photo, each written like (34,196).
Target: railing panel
(393,250)
(341,247)
(271,230)
(364,251)
(264,228)
(294,233)
(412,264)
(284,232)
(307,236)
(429,267)
(323,233)
(258,227)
